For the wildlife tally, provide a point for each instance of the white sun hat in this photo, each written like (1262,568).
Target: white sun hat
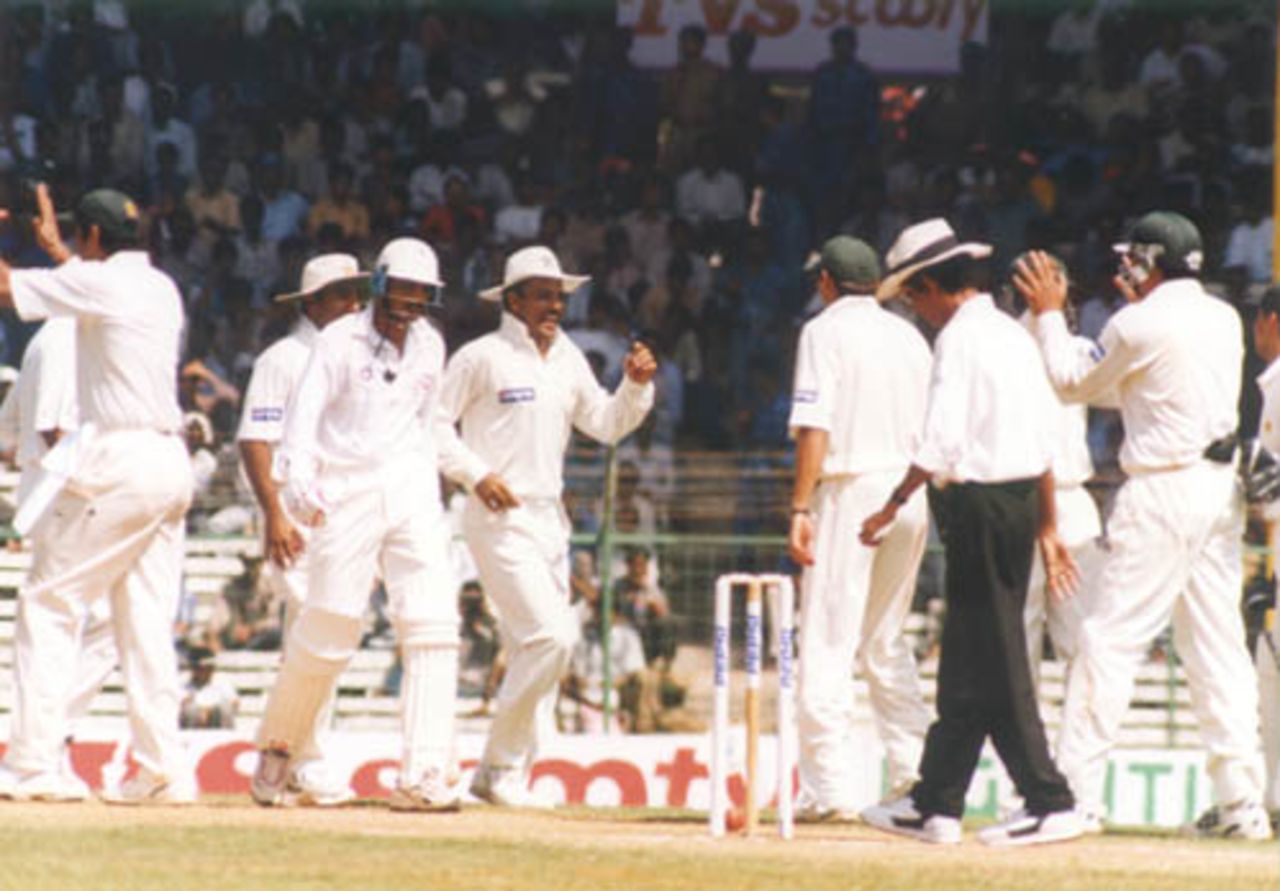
(921,246)
(412,260)
(325,270)
(533,262)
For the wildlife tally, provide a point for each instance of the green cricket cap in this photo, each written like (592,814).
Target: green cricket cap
(850,261)
(114,213)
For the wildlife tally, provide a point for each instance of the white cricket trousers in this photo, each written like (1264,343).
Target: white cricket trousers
(1269,702)
(390,526)
(855,600)
(290,585)
(115,531)
(1078,527)
(1174,554)
(522,556)
(97,656)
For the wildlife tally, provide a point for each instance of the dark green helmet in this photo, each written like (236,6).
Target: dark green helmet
(1166,241)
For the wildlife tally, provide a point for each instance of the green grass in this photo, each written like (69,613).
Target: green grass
(563,855)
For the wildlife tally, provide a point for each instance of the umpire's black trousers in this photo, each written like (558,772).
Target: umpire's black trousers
(984,683)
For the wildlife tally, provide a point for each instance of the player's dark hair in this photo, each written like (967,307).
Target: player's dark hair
(958,273)
(1269,305)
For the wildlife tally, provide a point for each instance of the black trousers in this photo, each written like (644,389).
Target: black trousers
(984,682)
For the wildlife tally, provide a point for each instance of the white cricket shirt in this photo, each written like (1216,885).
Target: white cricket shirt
(276,374)
(1072,463)
(128,329)
(1269,419)
(363,411)
(517,408)
(992,416)
(1174,361)
(862,374)
(44,398)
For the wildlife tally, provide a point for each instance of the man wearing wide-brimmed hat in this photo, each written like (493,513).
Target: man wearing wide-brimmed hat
(359,462)
(115,529)
(989,437)
(518,392)
(857,411)
(331,287)
(1173,357)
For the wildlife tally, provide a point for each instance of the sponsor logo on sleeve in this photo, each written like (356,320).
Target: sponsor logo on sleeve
(805,396)
(266,414)
(512,395)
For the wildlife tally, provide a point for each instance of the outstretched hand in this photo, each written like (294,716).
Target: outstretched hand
(1040,282)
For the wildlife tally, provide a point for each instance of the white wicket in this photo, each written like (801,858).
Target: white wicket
(755,586)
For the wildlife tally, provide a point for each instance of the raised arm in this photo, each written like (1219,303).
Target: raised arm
(1080,369)
(609,417)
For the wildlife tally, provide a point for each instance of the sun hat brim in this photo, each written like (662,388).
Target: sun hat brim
(299,295)
(891,285)
(568,283)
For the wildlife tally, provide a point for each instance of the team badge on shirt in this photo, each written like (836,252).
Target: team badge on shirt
(266,414)
(807,396)
(512,395)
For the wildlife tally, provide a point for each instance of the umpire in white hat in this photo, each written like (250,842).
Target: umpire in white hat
(989,437)
(518,393)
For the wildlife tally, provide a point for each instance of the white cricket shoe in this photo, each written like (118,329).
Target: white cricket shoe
(41,786)
(1246,820)
(900,817)
(147,787)
(1091,822)
(1034,829)
(431,794)
(507,787)
(312,784)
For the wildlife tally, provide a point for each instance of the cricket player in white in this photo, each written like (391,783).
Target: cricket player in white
(116,529)
(1079,528)
(518,392)
(1266,340)
(329,290)
(1174,354)
(861,387)
(39,410)
(358,460)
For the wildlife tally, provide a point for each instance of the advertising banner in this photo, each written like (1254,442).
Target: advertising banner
(1145,787)
(894,36)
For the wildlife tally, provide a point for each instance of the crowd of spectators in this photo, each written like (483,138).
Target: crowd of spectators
(255,133)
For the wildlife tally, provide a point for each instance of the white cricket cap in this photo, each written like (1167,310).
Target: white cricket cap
(533,262)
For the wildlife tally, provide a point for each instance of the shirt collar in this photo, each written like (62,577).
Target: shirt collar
(1271,373)
(978,303)
(851,302)
(306,331)
(375,340)
(131,258)
(515,331)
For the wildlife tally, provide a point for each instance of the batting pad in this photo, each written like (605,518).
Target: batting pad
(320,646)
(428,696)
